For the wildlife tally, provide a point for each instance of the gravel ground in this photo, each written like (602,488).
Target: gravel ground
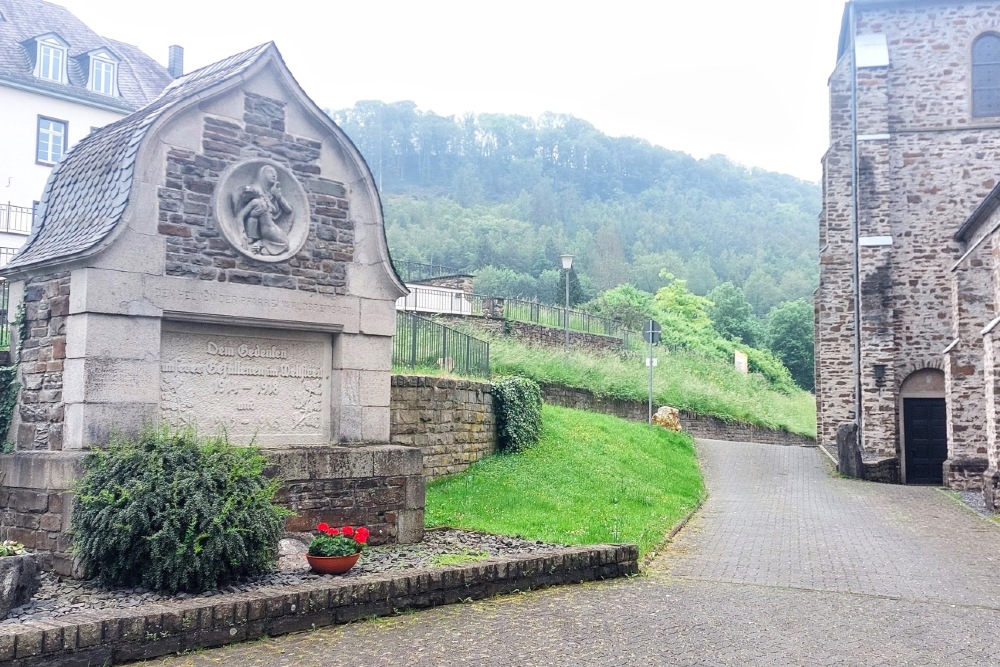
(58,596)
(974,500)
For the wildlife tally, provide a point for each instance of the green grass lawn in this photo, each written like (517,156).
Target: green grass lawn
(591,479)
(684,380)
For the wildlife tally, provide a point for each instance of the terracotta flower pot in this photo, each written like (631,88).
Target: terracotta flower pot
(332,564)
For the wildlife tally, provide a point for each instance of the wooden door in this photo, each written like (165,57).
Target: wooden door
(924,424)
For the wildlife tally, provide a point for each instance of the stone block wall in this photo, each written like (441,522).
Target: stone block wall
(924,163)
(536,334)
(36,503)
(38,424)
(39,520)
(698,426)
(460,282)
(195,246)
(450,420)
(381,488)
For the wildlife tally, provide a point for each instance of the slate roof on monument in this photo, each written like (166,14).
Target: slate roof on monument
(88,191)
(140,78)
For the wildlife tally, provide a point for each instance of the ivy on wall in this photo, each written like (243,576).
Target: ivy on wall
(517,404)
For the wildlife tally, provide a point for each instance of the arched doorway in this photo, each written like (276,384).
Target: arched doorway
(923,427)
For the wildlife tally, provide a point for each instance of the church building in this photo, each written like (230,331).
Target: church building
(905,309)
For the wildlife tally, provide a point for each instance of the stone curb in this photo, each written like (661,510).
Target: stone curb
(116,636)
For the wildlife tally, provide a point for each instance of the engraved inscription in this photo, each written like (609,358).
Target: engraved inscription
(215,299)
(274,390)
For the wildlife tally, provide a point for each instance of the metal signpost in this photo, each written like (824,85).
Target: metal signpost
(651,332)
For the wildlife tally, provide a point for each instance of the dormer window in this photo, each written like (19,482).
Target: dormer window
(103,74)
(51,62)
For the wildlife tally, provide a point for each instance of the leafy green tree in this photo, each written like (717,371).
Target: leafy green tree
(732,316)
(790,338)
(761,291)
(678,299)
(701,276)
(493,281)
(626,304)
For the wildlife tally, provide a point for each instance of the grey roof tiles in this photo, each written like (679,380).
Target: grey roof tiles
(88,191)
(140,78)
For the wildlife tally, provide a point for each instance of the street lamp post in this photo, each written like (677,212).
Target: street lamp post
(567,264)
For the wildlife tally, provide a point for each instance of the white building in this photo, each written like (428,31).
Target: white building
(59,80)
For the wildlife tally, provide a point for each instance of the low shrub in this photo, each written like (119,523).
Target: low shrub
(517,404)
(171,512)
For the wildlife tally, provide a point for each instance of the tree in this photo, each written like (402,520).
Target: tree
(491,281)
(678,299)
(701,277)
(790,337)
(761,291)
(732,316)
(625,304)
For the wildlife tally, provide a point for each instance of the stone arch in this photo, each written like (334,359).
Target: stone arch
(915,366)
(922,389)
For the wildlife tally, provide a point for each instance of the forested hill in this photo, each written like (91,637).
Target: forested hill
(515,192)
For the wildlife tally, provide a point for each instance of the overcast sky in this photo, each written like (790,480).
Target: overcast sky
(741,78)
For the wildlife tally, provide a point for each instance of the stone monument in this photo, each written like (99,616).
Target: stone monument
(216,260)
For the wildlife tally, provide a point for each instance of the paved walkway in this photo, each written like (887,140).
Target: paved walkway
(784,565)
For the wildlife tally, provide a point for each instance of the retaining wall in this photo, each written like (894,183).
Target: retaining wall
(450,420)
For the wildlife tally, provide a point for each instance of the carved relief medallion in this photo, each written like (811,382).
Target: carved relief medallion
(262,210)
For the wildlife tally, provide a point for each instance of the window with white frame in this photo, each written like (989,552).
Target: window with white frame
(102,75)
(51,140)
(51,60)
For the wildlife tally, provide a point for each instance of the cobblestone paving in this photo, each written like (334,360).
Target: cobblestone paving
(784,565)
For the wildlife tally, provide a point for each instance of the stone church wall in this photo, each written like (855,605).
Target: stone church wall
(924,164)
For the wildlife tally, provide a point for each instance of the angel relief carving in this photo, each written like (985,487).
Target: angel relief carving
(262,210)
(264,215)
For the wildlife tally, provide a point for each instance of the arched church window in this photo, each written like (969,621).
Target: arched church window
(986,75)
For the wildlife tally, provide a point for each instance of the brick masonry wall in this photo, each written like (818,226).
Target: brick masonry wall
(972,309)
(40,520)
(833,303)
(924,165)
(41,359)
(698,426)
(462,282)
(196,248)
(450,420)
(116,636)
(536,334)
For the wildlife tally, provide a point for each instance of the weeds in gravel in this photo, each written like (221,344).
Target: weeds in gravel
(442,560)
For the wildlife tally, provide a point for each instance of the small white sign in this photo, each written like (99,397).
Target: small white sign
(654,361)
(741,362)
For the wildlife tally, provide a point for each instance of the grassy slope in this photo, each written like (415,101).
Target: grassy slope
(682,380)
(591,479)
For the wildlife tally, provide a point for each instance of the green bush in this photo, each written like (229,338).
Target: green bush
(517,404)
(173,513)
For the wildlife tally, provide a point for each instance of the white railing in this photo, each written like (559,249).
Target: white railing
(424,300)
(15,219)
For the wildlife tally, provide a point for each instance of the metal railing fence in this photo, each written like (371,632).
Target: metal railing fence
(411,271)
(15,219)
(7,254)
(423,343)
(454,302)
